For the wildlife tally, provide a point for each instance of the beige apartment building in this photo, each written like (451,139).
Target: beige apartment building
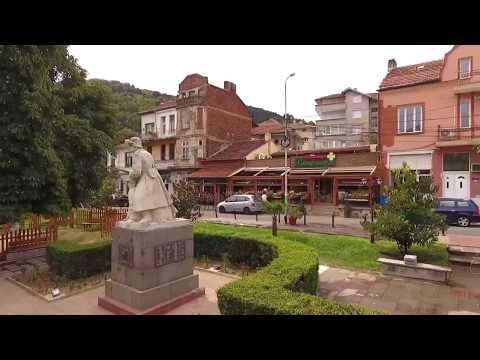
(348,119)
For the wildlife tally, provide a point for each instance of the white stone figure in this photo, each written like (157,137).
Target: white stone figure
(149,200)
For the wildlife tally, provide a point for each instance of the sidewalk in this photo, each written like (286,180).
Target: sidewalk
(315,223)
(17,301)
(400,296)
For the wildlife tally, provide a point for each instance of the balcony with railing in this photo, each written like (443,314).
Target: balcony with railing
(190,101)
(164,164)
(458,136)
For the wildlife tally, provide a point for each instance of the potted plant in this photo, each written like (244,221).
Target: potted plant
(294,212)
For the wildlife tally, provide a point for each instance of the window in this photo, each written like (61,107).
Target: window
(150,128)
(185,120)
(464,68)
(476,167)
(121,186)
(185,151)
(172,124)
(447,203)
(410,119)
(171,151)
(162,152)
(184,95)
(200,142)
(463,204)
(356,131)
(456,162)
(128,159)
(465,113)
(191,93)
(356,114)
(163,124)
(357,99)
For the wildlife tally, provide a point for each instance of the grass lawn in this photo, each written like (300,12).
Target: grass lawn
(69,234)
(354,252)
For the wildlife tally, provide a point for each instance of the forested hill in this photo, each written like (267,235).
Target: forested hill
(128,101)
(260,115)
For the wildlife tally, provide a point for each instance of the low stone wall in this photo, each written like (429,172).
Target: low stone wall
(418,271)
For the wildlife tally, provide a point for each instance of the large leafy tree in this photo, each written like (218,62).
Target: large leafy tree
(409,217)
(54,131)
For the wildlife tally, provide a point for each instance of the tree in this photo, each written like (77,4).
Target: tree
(275,209)
(185,198)
(84,135)
(55,131)
(101,197)
(32,177)
(409,216)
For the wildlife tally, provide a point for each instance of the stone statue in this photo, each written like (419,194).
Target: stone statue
(149,200)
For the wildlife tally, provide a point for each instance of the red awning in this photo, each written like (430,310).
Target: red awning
(214,172)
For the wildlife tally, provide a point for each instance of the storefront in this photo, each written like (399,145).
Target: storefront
(314,178)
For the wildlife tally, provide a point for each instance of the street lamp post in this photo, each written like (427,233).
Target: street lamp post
(286,145)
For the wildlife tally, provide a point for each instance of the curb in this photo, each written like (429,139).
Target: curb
(47,299)
(217,273)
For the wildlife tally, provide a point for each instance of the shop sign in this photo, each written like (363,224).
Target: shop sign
(316,160)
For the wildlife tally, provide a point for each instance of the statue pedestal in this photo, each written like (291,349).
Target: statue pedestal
(152,269)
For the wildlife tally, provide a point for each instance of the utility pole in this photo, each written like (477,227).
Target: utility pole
(285,145)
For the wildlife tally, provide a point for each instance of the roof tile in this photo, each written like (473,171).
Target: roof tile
(412,75)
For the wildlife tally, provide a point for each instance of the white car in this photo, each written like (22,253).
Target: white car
(246,204)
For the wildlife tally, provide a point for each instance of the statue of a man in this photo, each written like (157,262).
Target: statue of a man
(149,200)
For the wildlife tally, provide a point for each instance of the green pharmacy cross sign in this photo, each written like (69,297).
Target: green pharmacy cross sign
(316,160)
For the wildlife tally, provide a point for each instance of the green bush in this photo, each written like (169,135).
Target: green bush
(287,285)
(74,260)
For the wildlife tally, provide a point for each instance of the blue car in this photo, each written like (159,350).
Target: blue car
(458,211)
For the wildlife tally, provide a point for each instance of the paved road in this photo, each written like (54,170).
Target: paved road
(473,230)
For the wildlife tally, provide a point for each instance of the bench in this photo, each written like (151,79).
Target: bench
(418,271)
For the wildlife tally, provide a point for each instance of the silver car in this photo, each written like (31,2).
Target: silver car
(246,204)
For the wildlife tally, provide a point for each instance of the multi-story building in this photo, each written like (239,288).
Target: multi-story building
(301,134)
(203,119)
(429,119)
(347,120)
(120,166)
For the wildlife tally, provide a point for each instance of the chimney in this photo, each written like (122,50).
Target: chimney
(229,86)
(392,64)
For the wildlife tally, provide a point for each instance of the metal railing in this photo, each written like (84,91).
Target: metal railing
(191,100)
(451,134)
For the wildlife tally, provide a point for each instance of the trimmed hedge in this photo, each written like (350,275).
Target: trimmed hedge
(286,286)
(74,260)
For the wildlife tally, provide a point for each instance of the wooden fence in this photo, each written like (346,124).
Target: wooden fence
(27,238)
(38,231)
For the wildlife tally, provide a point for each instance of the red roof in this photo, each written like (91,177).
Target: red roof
(237,150)
(267,129)
(163,106)
(217,171)
(412,75)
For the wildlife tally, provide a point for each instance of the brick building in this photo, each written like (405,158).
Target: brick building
(429,118)
(201,121)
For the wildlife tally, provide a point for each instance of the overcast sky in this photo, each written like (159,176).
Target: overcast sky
(259,71)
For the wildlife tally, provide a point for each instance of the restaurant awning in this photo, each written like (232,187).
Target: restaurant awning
(215,172)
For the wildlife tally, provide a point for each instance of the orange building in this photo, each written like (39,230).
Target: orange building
(429,117)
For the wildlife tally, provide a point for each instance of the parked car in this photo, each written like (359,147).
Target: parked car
(121,201)
(458,211)
(244,203)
